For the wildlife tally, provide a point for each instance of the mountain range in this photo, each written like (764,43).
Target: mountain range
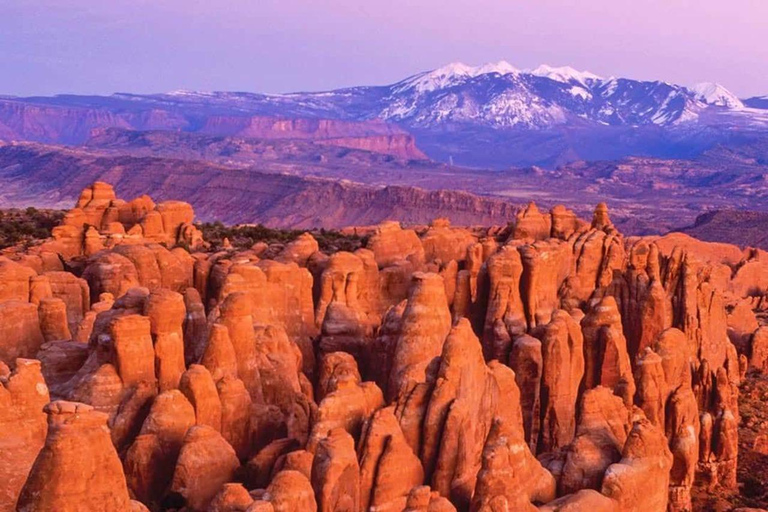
(470,143)
(491,116)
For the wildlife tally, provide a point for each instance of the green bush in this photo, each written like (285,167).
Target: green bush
(245,235)
(27,226)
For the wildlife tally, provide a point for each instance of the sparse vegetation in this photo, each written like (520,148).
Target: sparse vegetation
(245,235)
(27,226)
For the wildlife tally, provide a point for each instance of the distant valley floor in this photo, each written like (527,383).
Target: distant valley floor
(304,184)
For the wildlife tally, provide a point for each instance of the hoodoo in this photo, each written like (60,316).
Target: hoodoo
(552,365)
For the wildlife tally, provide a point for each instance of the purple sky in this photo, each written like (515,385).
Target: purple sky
(102,46)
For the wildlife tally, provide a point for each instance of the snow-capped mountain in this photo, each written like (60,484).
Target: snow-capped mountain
(453,74)
(715,94)
(566,74)
(495,95)
(503,97)
(490,115)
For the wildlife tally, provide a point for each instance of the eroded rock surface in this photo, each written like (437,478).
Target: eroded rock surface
(551,365)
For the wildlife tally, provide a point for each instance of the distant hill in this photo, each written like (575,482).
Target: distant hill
(53,176)
(742,228)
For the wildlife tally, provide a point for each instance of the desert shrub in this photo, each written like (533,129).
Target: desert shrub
(243,236)
(27,226)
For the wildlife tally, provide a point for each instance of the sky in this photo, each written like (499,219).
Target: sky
(144,46)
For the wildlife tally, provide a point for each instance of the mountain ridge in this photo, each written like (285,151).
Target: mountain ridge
(552,115)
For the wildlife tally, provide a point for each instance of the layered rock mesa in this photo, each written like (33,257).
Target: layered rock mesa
(552,364)
(50,123)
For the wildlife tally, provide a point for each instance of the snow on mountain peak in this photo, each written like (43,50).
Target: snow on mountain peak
(453,69)
(715,94)
(439,78)
(564,74)
(502,67)
(455,72)
(460,69)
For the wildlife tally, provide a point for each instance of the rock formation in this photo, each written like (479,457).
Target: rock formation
(550,365)
(23,427)
(78,468)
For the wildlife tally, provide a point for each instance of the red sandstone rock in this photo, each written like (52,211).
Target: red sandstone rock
(444,243)
(391,243)
(532,225)
(290,491)
(348,402)
(643,303)
(195,327)
(466,399)
(425,324)
(605,350)
(134,354)
(52,313)
(388,467)
(526,361)
(683,431)
(219,356)
(600,438)
(165,310)
(382,350)
(545,267)
(565,223)
(102,389)
(511,478)
(671,346)
(347,310)
(39,289)
(336,474)
(562,350)
(583,500)
(741,324)
(23,427)
(20,334)
(235,414)
(759,350)
(131,413)
(505,317)
(595,256)
(261,466)
(206,462)
(150,461)
(421,499)
(78,468)
(74,292)
(640,481)
(654,316)
(651,395)
(61,361)
(109,272)
(199,388)
(299,250)
(231,498)
(15,279)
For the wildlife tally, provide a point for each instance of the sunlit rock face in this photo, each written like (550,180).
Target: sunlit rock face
(554,365)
